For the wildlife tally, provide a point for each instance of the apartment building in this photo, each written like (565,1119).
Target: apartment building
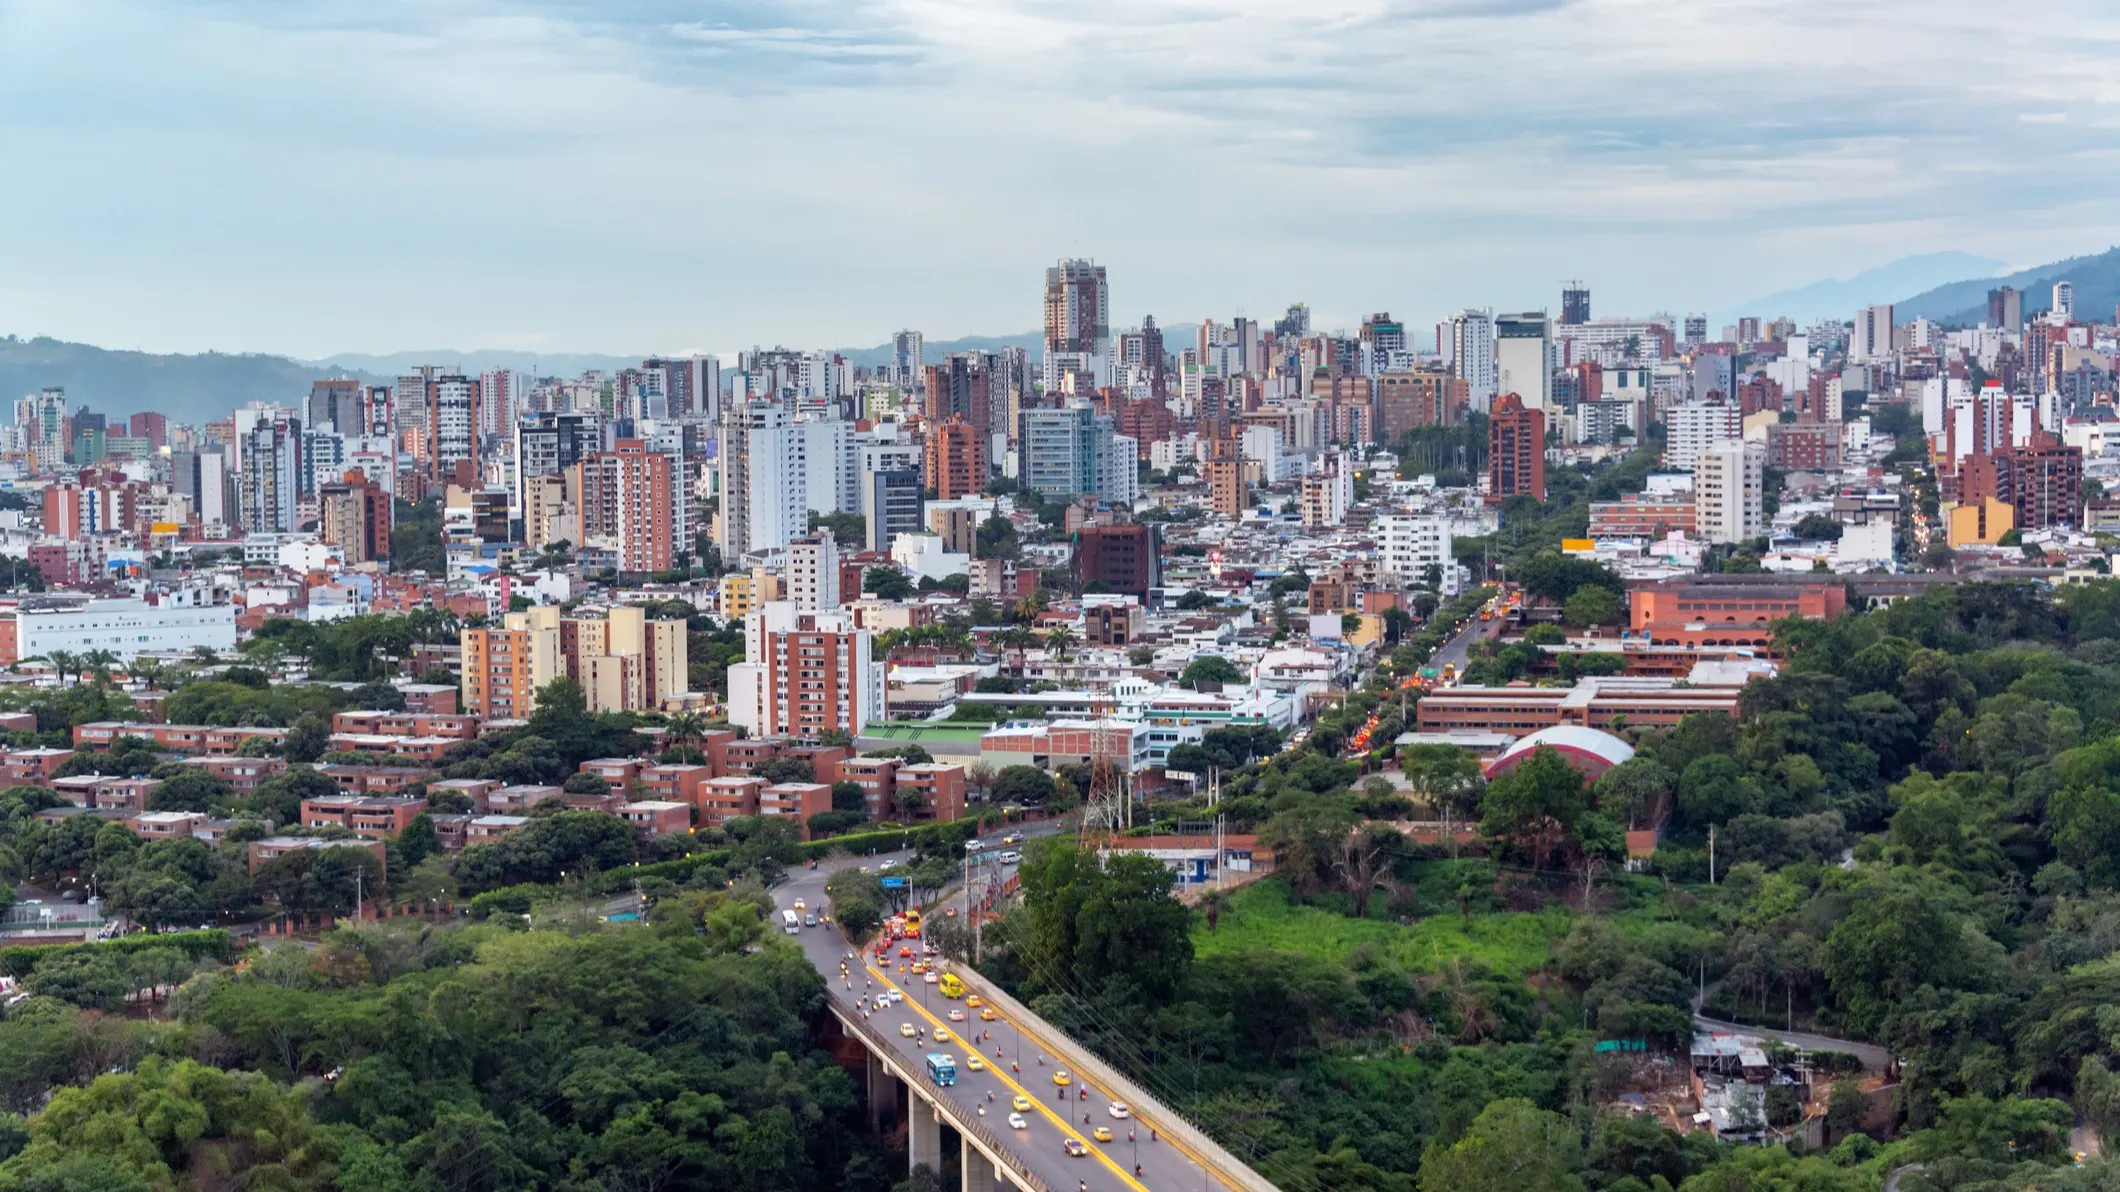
(805,674)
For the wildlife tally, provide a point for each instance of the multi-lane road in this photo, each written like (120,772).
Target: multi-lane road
(1018,1060)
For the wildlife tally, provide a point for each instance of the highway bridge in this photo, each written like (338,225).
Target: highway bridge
(1172,1155)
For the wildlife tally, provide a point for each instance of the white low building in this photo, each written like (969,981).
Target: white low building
(127,626)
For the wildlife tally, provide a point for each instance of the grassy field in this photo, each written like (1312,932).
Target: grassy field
(1262,915)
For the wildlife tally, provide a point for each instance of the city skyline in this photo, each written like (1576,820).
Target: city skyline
(748,169)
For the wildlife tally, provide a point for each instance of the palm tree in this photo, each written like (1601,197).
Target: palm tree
(65,662)
(98,663)
(1059,640)
(684,728)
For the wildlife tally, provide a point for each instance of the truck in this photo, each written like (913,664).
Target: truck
(942,1069)
(789,923)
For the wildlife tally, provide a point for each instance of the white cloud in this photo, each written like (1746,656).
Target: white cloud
(629,175)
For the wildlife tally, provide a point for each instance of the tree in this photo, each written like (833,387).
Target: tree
(1512,1146)
(1593,604)
(1210,668)
(1535,806)
(1104,924)
(887,583)
(1024,785)
(307,740)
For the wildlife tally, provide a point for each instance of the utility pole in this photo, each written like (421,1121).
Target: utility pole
(357,895)
(1711,854)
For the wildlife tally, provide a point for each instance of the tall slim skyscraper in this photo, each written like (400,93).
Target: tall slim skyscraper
(1872,337)
(1077,323)
(813,573)
(1471,353)
(2064,301)
(1575,304)
(270,484)
(1523,358)
(626,505)
(453,421)
(908,359)
(2005,306)
(1516,450)
(335,407)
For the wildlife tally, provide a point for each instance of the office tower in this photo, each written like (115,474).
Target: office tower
(908,365)
(813,573)
(956,459)
(626,505)
(1423,397)
(2042,481)
(1152,356)
(777,476)
(1691,427)
(1696,329)
(1872,338)
(409,399)
(1328,492)
(1381,335)
(1415,542)
(505,667)
(1523,358)
(453,404)
(1293,325)
(335,407)
(152,427)
(2005,309)
(378,412)
(548,445)
(354,514)
(1516,450)
(1072,451)
(271,479)
(732,530)
(1472,355)
(827,470)
(959,387)
(893,501)
(1121,558)
(804,674)
(1077,324)
(201,477)
(1575,304)
(687,387)
(1729,485)
(2064,304)
(501,398)
(1748,329)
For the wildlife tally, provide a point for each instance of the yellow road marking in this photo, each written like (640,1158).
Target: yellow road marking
(1094,1147)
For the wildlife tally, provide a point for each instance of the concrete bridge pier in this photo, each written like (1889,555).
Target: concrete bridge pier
(923,1132)
(980,1174)
(881,1084)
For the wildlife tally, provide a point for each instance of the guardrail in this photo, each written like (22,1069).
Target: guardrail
(1000,1154)
(1206,1151)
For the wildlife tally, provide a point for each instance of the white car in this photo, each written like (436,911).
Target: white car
(897,996)
(1119,1110)
(1011,857)
(1016,1122)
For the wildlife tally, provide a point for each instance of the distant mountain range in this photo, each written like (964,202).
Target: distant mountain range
(1837,299)
(1964,303)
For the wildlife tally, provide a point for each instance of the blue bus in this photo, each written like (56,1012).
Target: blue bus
(942,1069)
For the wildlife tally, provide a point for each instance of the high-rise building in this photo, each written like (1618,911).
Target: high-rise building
(765,499)
(354,514)
(453,411)
(1122,558)
(271,481)
(1077,324)
(1729,486)
(549,444)
(504,668)
(1329,491)
(1523,358)
(1422,397)
(201,477)
(1696,329)
(804,674)
(1058,450)
(908,364)
(1152,356)
(1413,543)
(1575,304)
(958,388)
(1226,487)
(1871,339)
(626,500)
(336,406)
(956,459)
(1516,450)
(1691,427)
(1471,355)
(2042,481)
(2064,310)
(893,499)
(2005,309)
(1381,334)
(813,573)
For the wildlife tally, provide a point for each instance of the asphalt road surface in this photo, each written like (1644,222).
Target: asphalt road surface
(1056,1112)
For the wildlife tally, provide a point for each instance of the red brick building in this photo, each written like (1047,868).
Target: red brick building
(1516,450)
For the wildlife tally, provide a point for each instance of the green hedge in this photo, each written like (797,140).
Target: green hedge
(953,832)
(18,962)
(518,899)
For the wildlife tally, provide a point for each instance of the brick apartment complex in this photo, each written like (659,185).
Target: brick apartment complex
(626,504)
(211,740)
(1423,397)
(370,818)
(1690,613)
(1804,446)
(1641,517)
(1516,450)
(956,460)
(2042,481)
(1122,558)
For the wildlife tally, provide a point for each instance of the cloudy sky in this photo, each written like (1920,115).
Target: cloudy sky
(314,176)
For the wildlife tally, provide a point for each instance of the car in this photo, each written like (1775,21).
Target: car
(986,1014)
(1119,1110)
(1022,1103)
(1102,1134)
(897,996)
(956,1016)
(942,1034)
(1074,1148)
(975,1064)
(883,1001)
(905,1030)
(906,951)
(1011,857)
(930,977)
(1013,838)
(920,966)
(974,1001)
(881,866)
(1016,1122)
(799,904)
(809,920)
(1062,1078)
(973,846)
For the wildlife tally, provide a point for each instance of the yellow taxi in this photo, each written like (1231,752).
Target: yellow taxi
(1022,1103)
(906,1029)
(799,906)
(986,1014)
(974,1001)
(942,1034)
(1102,1134)
(920,966)
(975,1064)
(1062,1078)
